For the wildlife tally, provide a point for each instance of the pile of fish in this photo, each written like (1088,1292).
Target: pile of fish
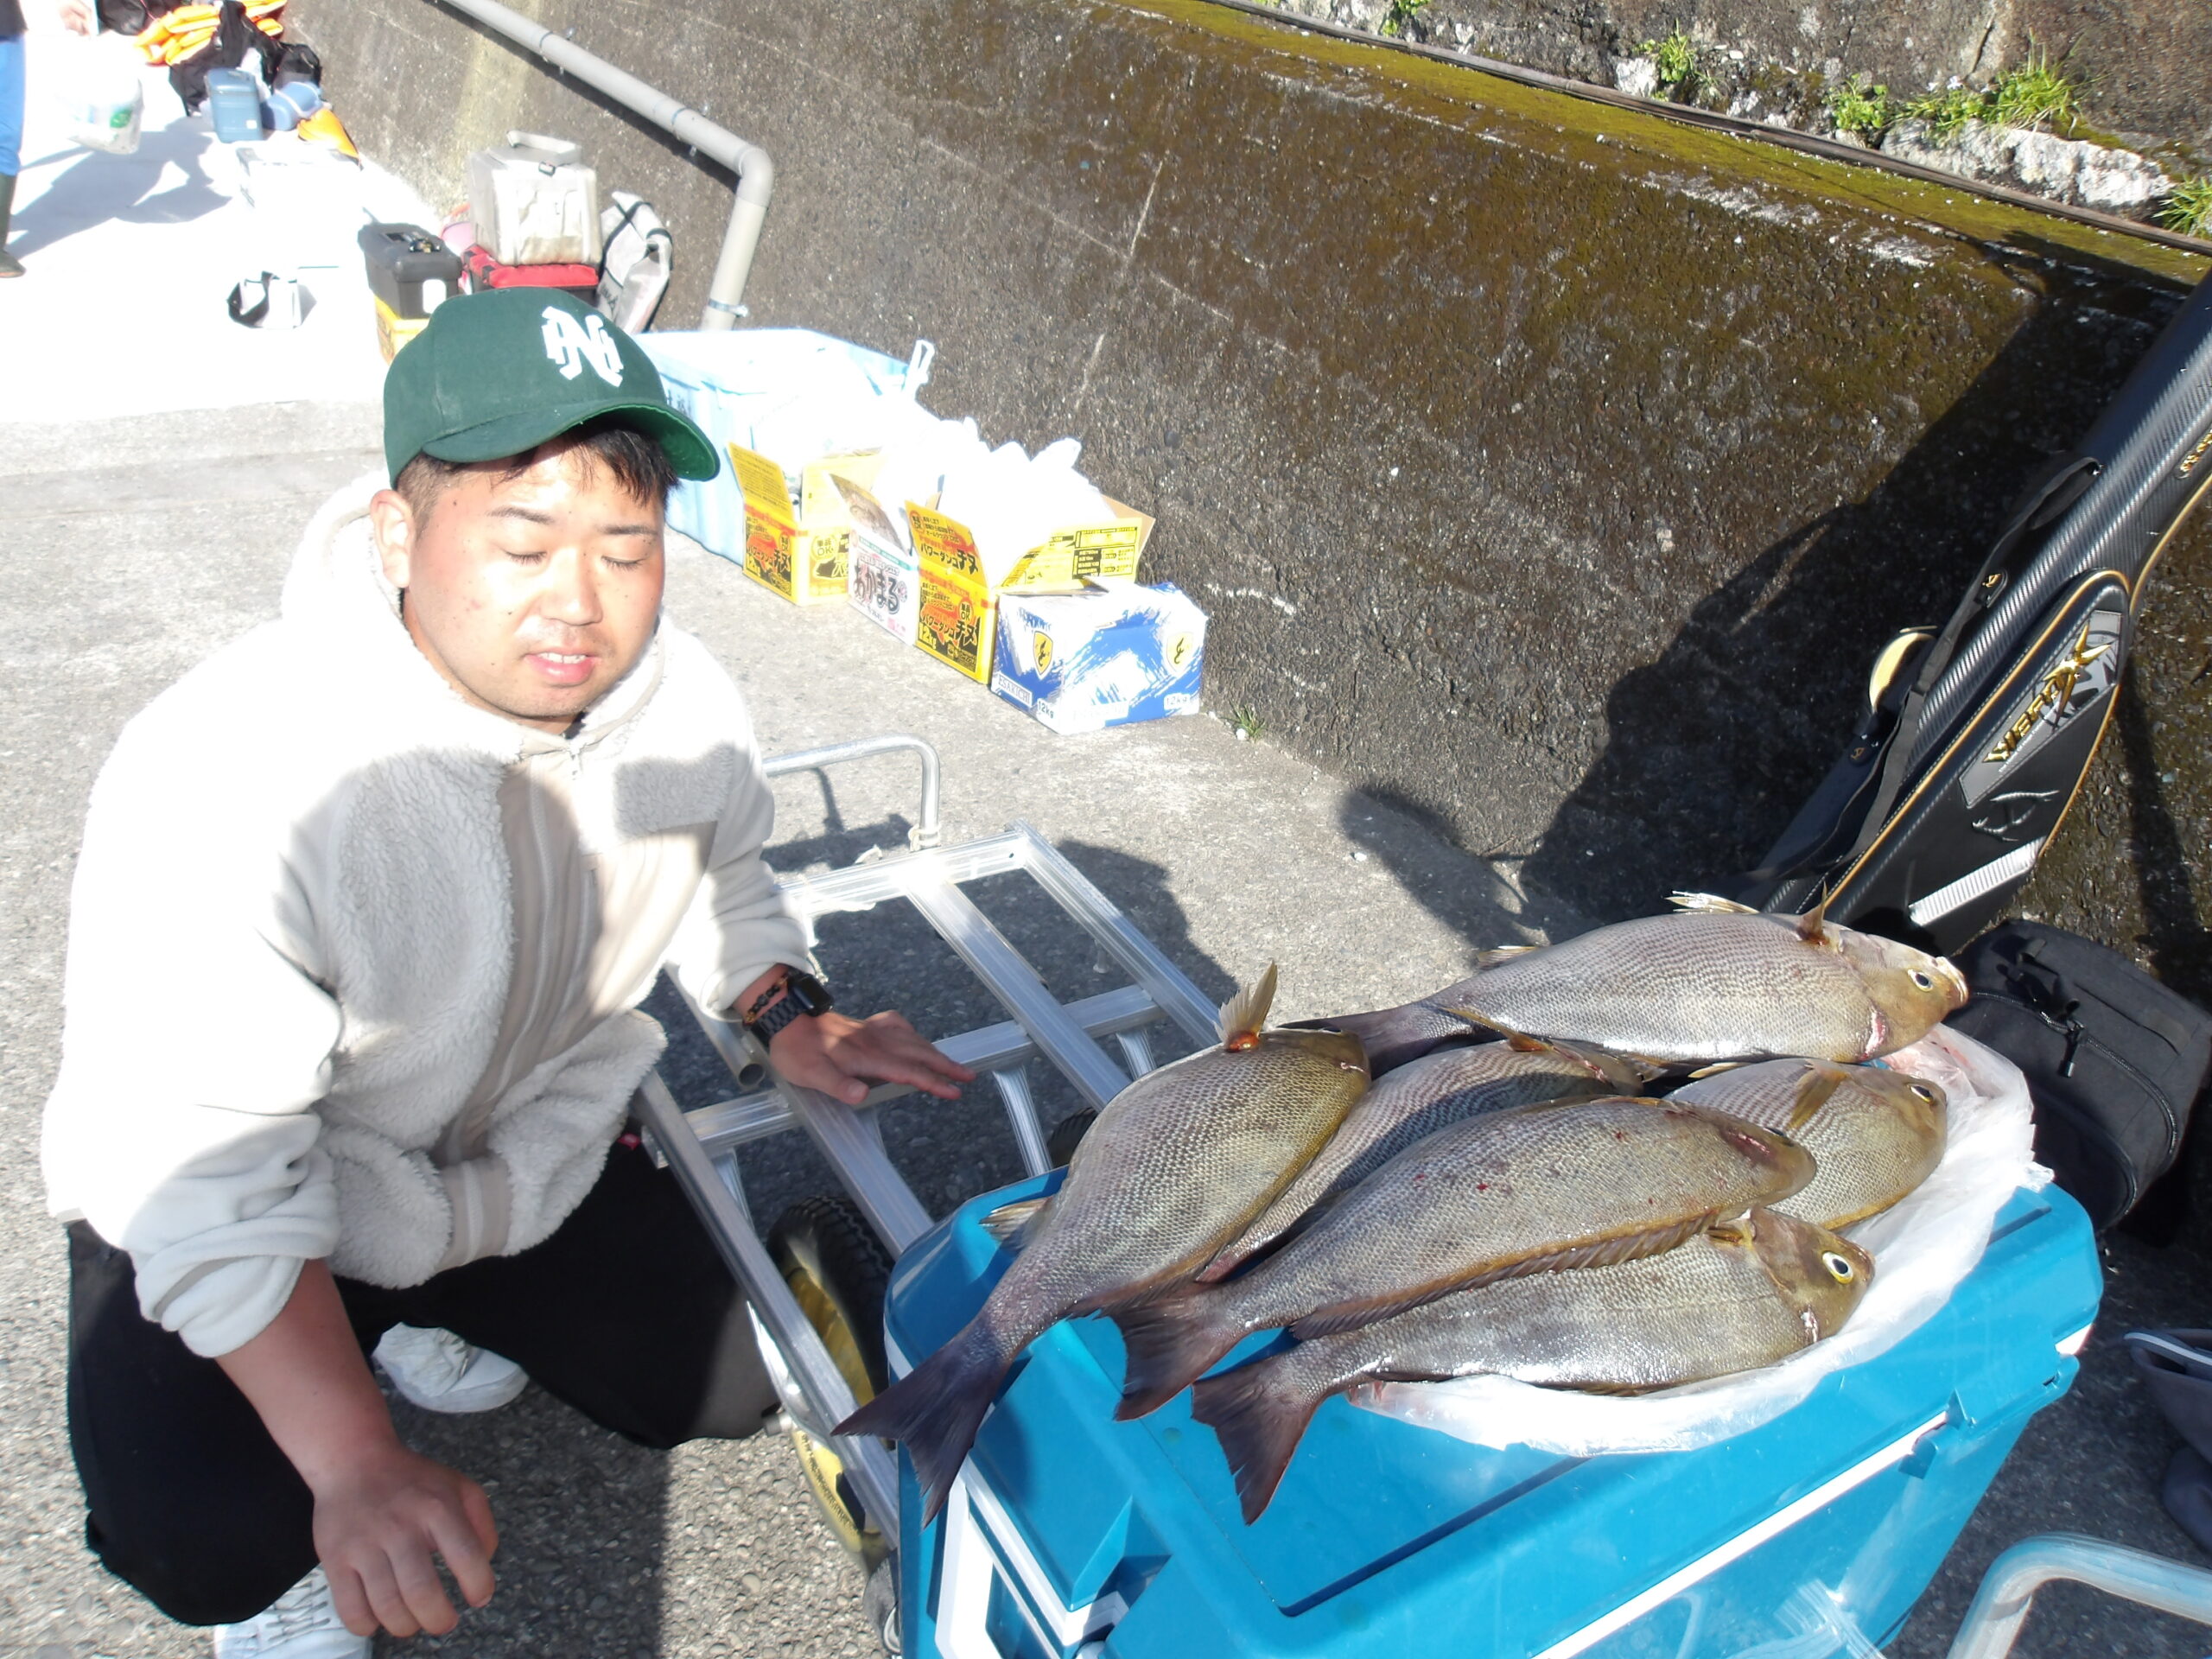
(1638,1187)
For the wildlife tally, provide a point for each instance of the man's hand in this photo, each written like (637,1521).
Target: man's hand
(379,1519)
(76,16)
(381,1513)
(840,1055)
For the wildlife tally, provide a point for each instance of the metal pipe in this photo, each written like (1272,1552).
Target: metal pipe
(924,831)
(2008,1589)
(756,174)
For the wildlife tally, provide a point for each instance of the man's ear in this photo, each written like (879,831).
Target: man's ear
(391,523)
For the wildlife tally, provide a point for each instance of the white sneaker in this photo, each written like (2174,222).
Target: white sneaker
(302,1624)
(438,1372)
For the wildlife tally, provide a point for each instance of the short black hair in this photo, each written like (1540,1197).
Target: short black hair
(640,466)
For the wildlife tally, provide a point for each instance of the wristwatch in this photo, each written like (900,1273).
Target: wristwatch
(801,994)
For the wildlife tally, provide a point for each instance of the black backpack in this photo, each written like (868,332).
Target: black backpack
(1976,734)
(2114,1060)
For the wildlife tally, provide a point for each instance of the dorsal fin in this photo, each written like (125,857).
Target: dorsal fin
(1709,903)
(1244,1016)
(1813,926)
(1735,1231)
(1821,1081)
(1496,954)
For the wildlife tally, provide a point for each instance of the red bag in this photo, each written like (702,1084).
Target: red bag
(483,273)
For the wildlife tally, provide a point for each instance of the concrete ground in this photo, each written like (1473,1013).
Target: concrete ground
(136,539)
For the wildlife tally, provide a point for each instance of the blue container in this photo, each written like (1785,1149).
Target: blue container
(1390,1539)
(234,105)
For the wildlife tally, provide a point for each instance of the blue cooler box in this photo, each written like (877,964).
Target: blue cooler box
(1069,1533)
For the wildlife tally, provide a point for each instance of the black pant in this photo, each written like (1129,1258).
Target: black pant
(626,1312)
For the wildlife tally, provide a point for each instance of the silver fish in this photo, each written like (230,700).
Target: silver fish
(1743,1294)
(1572,1184)
(1178,1164)
(1420,1098)
(1876,1133)
(1719,981)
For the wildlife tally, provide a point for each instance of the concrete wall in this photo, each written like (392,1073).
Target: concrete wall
(1552,471)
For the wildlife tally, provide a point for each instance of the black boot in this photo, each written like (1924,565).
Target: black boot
(10,265)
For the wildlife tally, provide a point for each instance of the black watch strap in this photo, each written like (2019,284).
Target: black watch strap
(803,995)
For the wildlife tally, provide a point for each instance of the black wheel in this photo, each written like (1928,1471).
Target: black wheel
(879,1602)
(838,1270)
(1067,1134)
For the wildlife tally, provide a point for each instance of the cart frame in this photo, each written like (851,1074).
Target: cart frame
(701,1145)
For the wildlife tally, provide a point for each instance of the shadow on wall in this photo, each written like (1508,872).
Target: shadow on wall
(1475,898)
(1711,748)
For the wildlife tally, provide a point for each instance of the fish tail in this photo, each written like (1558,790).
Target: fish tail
(1259,1412)
(935,1409)
(1392,1037)
(1170,1341)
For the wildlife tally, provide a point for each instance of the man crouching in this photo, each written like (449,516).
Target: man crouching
(366,904)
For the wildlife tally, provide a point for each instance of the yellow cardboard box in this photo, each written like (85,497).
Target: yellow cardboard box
(957,605)
(800,549)
(394,331)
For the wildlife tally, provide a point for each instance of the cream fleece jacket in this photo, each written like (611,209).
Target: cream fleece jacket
(353,967)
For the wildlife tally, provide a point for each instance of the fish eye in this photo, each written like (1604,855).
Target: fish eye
(1839,1267)
(1925,982)
(1925,1092)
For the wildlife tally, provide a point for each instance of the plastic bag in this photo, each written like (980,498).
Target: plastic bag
(1921,1249)
(98,85)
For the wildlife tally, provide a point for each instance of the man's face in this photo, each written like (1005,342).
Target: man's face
(531,594)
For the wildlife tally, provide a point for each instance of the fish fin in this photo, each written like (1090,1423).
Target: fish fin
(1710,903)
(1170,1341)
(1716,1069)
(1496,954)
(1523,1044)
(1258,1415)
(1813,926)
(1821,1082)
(1244,1016)
(1010,1222)
(1601,1253)
(1621,1071)
(935,1409)
(1735,1231)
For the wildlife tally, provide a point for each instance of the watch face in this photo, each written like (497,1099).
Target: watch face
(809,994)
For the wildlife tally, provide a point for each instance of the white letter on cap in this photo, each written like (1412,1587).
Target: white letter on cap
(570,345)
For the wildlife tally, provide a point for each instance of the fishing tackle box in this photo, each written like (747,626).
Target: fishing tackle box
(1068,1533)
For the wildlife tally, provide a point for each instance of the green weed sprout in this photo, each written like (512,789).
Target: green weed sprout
(1401,13)
(2032,95)
(1245,721)
(2189,207)
(1860,108)
(1677,60)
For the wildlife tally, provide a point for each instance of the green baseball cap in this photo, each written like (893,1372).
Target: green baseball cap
(496,374)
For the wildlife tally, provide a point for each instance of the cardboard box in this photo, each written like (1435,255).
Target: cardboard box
(799,549)
(958,600)
(1109,656)
(394,331)
(883,581)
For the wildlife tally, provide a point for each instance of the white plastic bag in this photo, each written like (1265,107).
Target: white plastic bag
(98,85)
(1922,1249)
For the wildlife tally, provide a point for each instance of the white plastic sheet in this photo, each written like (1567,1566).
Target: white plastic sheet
(1922,1249)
